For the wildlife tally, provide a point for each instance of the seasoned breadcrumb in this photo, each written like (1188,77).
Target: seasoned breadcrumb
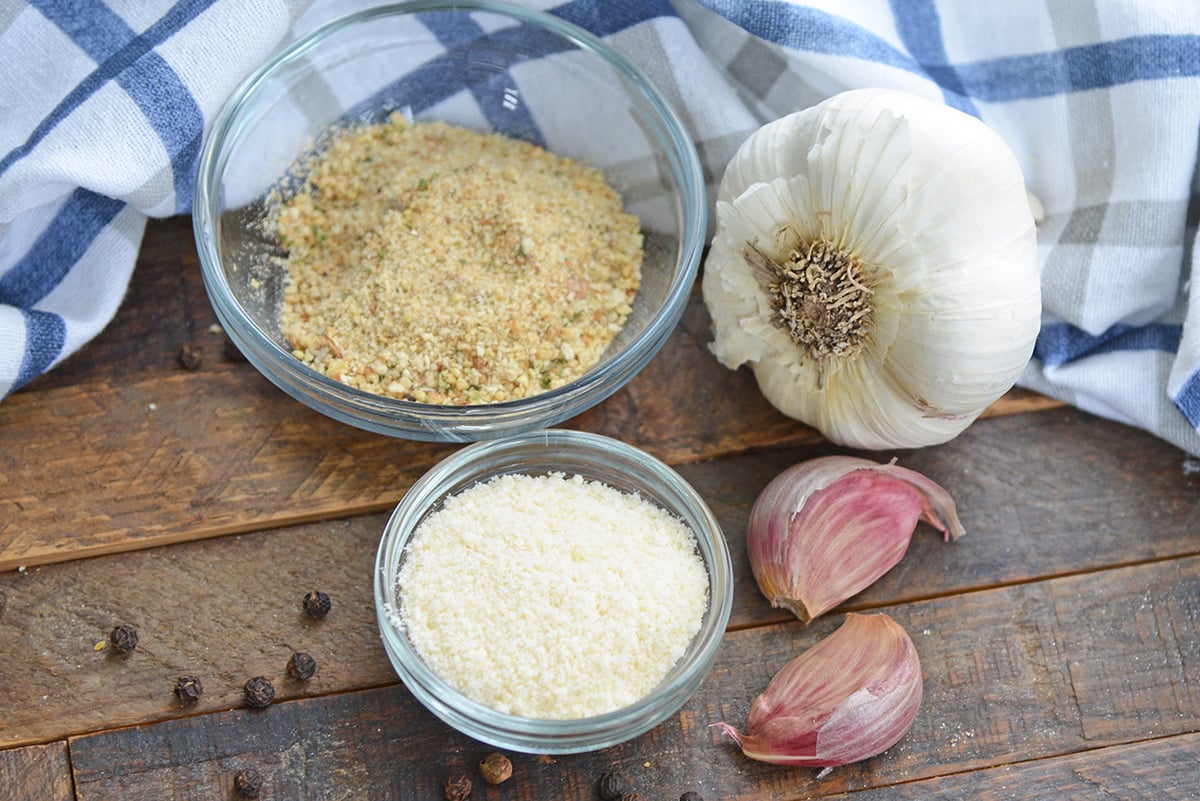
(442,265)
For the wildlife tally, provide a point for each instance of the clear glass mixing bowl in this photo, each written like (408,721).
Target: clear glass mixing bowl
(473,63)
(596,458)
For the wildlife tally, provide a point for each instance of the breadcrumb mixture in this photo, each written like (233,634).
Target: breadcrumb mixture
(442,265)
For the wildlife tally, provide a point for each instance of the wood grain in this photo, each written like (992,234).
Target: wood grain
(1166,769)
(224,610)
(227,608)
(1101,495)
(36,773)
(1060,639)
(999,691)
(121,447)
(1150,629)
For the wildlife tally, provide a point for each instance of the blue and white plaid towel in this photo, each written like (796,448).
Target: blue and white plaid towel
(103,106)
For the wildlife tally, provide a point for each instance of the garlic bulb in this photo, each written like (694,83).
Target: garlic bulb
(875,264)
(827,528)
(850,697)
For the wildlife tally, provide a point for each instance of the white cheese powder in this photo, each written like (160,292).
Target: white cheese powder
(550,596)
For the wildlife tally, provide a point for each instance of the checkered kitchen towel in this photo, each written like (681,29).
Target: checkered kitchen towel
(103,105)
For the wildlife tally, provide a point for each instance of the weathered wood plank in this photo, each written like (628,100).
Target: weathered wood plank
(1141,675)
(224,610)
(1040,495)
(36,773)
(122,448)
(997,692)
(227,608)
(1167,769)
(163,461)
(1059,639)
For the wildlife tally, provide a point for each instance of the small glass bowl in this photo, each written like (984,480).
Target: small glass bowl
(477,64)
(597,458)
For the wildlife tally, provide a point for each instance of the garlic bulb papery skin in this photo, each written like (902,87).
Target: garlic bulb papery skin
(874,262)
(850,697)
(825,529)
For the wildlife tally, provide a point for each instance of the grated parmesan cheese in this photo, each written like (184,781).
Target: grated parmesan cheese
(550,596)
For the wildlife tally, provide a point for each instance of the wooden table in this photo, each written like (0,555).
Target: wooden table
(1060,639)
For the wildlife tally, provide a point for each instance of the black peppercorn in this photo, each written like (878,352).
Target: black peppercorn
(317,604)
(691,796)
(190,356)
(301,666)
(123,639)
(188,690)
(496,768)
(259,691)
(458,788)
(613,787)
(248,783)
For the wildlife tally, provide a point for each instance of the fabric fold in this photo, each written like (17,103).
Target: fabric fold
(104,105)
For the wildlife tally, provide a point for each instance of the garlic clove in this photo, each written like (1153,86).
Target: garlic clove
(827,528)
(931,206)
(850,697)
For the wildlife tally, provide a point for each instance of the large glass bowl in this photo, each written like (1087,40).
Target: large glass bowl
(478,64)
(596,458)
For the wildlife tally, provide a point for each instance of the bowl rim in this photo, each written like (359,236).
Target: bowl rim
(436,422)
(517,454)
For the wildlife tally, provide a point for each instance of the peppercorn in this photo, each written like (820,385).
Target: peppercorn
(248,783)
(259,691)
(691,796)
(613,787)
(495,768)
(188,690)
(457,788)
(301,666)
(123,639)
(190,356)
(317,604)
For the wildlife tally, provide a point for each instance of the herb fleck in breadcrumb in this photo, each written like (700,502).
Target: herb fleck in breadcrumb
(442,265)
